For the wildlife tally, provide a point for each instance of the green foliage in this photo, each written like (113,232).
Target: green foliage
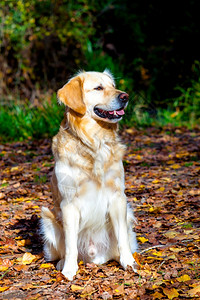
(35,32)
(19,122)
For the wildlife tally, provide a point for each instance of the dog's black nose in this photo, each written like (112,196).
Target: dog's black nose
(123,97)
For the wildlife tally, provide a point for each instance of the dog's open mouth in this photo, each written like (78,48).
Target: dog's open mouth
(112,114)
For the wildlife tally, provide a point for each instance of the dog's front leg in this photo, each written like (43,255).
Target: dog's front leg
(70,218)
(118,215)
(70,215)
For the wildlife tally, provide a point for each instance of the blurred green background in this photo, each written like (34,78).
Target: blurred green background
(152,48)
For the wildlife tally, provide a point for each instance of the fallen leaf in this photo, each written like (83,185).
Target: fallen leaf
(75,288)
(142,239)
(184,278)
(157,295)
(175,166)
(170,234)
(119,290)
(171,293)
(194,291)
(28,258)
(46,266)
(87,291)
(3,268)
(4,288)
(2,195)
(136,257)
(173,249)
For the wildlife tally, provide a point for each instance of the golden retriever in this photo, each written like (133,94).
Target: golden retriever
(91,220)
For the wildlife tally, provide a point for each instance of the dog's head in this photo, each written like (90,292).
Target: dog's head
(94,94)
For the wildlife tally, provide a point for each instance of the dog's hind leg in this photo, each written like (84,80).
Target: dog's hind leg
(53,236)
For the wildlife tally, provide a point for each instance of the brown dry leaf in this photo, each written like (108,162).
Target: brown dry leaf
(87,291)
(170,234)
(21,267)
(5,264)
(194,291)
(27,286)
(170,293)
(119,290)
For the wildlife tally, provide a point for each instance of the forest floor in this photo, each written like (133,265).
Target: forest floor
(163,185)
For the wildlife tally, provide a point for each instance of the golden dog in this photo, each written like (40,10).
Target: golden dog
(91,220)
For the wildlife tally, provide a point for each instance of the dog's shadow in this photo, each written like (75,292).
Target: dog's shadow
(29,231)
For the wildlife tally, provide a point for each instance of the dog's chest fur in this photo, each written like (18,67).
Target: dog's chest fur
(92,163)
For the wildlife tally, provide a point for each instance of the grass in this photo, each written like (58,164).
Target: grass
(20,121)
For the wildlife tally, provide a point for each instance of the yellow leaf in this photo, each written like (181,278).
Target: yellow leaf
(136,257)
(155,181)
(170,162)
(3,268)
(28,258)
(157,253)
(142,186)
(184,278)
(157,295)
(4,288)
(171,256)
(157,258)
(36,206)
(14,169)
(194,291)
(171,293)
(45,266)
(174,249)
(139,157)
(161,189)
(21,243)
(142,239)
(75,288)
(175,166)
(130,130)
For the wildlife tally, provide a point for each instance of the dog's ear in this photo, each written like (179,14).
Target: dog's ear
(108,72)
(71,95)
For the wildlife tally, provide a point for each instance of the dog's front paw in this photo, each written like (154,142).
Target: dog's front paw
(128,261)
(69,270)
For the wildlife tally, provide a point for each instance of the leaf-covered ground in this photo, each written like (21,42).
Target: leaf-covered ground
(163,185)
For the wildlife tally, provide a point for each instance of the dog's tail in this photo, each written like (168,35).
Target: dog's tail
(53,236)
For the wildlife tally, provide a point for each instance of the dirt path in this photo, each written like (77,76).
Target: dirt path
(163,185)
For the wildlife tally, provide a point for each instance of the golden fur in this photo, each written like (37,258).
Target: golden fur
(90,220)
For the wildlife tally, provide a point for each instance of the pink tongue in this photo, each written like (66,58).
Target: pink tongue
(120,112)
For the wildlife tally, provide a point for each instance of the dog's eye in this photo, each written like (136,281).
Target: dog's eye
(98,88)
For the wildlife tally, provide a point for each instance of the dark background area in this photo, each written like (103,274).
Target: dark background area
(155,43)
